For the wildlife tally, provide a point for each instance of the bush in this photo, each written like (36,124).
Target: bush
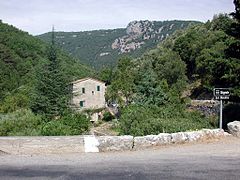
(14,102)
(25,123)
(140,120)
(69,124)
(107,116)
(20,123)
(55,128)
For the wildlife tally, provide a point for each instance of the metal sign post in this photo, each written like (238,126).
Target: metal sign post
(221,106)
(221,94)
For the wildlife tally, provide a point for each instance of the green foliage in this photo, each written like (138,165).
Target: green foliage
(51,92)
(106,75)
(122,86)
(210,54)
(55,128)
(17,99)
(25,123)
(21,55)
(145,120)
(107,116)
(20,123)
(68,124)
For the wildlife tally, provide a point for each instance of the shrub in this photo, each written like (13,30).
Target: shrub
(69,124)
(107,116)
(79,123)
(14,102)
(55,128)
(20,123)
(140,120)
(25,123)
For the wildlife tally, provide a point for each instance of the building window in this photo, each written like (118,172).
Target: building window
(82,103)
(83,90)
(98,88)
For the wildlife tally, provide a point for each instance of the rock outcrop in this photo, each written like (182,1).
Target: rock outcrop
(138,33)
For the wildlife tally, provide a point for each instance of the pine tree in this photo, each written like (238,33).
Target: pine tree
(50,97)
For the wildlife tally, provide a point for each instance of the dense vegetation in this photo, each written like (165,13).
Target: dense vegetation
(21,56)
(24,123)
(150,90)
(89,45)
(24,64)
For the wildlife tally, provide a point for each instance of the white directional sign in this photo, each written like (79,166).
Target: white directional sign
(221,93)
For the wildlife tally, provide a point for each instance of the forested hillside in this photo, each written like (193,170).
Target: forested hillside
(20,56)
(151,89)
(104,47)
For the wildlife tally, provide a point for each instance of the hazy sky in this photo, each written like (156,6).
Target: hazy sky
(38,16)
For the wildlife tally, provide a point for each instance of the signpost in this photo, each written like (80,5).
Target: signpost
(221,94)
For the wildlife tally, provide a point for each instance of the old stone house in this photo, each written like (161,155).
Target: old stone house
(88,93)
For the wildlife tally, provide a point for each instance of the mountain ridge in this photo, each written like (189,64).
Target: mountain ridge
(99,48)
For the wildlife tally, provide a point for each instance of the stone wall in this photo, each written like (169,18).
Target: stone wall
(42,145)
(81,144)
(207,107)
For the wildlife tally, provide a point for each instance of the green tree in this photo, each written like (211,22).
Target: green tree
(106,75)
(50,97)
(122,87)
(233,51)
(149,88)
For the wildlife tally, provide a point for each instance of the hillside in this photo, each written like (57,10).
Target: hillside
(103,47)
(20,55)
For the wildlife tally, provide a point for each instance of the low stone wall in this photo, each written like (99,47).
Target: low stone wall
(115,143)
(81,144)
(42,145)
(176,138)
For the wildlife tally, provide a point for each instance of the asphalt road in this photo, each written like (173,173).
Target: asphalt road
(216,160)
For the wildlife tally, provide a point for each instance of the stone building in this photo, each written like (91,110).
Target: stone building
(88,93)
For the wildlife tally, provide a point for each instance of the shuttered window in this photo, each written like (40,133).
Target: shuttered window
(82,103)
(98,88)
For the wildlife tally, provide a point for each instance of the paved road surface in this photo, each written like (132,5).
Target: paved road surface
(216,160)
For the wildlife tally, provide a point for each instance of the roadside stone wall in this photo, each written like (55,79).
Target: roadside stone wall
(115,143)
(177,138)
(42,145)
(90,143)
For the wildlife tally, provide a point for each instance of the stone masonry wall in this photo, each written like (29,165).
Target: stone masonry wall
(81,144)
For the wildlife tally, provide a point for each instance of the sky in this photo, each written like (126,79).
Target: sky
(38,16)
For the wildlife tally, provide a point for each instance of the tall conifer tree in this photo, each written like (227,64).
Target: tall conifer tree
(50,97)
